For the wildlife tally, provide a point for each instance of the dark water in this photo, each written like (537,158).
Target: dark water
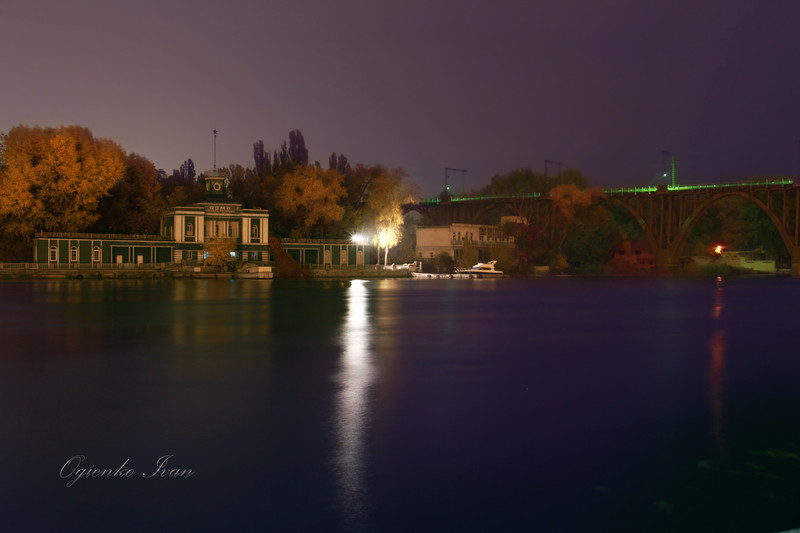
(559,404)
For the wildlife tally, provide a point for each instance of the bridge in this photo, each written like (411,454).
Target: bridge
(666,214)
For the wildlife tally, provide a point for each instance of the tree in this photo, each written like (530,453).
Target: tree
(469,254)
(187,170)
(54,178)
(261,158)
(590,241)
(310,195)
(179,188)
(388,235)
(134,204)
(286,265)
(526,181)
(246,186)
(219,252)
(378,193)
(338,163)
(374,198)
(298,153)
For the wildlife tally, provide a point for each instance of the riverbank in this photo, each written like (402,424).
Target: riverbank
(23,271)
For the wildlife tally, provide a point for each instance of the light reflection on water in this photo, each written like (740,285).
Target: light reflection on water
(716,378)
(355,378)
(541,405)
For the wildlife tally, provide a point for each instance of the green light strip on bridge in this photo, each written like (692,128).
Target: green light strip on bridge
(626,190)
(429,201)
(654,188)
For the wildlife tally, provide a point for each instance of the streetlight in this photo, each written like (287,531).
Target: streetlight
(671,170)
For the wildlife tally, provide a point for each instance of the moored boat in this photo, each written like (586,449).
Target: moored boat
(479,271)
(482,270)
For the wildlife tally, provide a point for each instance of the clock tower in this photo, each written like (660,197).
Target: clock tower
(215,185)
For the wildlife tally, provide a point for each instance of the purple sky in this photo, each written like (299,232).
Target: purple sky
(603,86)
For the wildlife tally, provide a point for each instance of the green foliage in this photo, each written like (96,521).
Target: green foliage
(469,254)
(588,246)
(526,181)
(740,225)
(504,255)
(134,204)
(180,189)
(441,264)
(404,252)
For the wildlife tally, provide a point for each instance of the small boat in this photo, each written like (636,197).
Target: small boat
(481,270)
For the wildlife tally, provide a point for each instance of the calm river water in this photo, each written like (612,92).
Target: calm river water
(555,404)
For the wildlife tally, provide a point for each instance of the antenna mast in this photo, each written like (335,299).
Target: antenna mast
(215,150)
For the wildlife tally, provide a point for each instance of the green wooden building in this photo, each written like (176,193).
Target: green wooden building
(184,230)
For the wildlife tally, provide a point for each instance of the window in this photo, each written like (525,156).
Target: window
(73,254)
(53,254)
(189,229)
(96,254)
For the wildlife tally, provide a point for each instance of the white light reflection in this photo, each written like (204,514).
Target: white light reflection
(352,405)
(716,376)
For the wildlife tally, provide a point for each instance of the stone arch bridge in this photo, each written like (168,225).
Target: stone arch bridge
(666,213)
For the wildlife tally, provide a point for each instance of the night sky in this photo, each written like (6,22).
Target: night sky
(603,87)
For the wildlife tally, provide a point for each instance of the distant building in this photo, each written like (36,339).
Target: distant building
(184,230)
(634,254)
(327,253)
(432,241)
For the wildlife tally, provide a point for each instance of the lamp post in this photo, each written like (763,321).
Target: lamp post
(668,156)
(448,169)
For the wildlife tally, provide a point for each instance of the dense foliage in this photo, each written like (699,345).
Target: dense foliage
(53,180)
(65,179)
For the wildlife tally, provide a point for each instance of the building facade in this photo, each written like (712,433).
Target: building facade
(432,241)
(184,231)
(326,253)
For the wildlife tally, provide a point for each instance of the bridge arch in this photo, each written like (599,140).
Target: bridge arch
(666,214)
(637,216)
(667,217)
(702,208)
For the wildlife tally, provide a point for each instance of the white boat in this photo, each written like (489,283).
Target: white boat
(481,270)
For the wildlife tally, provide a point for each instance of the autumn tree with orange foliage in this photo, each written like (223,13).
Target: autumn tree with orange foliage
(52,180)
(310,195)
